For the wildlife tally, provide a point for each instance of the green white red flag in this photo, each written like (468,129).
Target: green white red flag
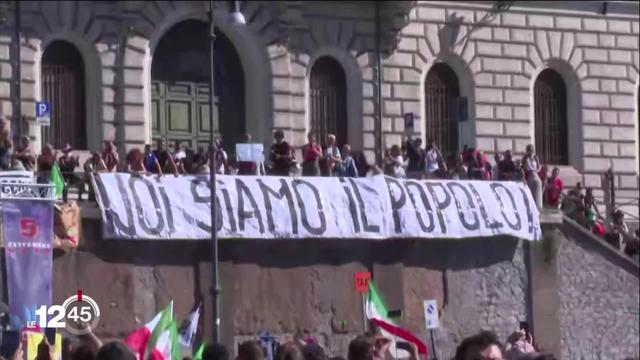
(377,314)
(158,339)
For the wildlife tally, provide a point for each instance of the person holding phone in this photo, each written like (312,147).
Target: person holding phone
(46,351)
(369,347)
(520,342)
(411,348)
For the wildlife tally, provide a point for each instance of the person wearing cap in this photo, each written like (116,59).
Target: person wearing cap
(68,165)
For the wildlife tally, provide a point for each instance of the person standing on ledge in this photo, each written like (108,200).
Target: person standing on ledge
(311,154)
(531,168)
(280,155)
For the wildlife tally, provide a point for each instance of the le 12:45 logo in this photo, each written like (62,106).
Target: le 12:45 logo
(79,314)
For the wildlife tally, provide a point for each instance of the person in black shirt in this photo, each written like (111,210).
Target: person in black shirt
(280,155)
(165,160)
(416,155)
(506,168)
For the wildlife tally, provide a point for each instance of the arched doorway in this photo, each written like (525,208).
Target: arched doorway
(550,116)
(180,88)
(442,94)
(328,100)
(63,86)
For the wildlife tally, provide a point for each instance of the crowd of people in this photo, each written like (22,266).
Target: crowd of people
(611,228)
(327,158)
(484,345)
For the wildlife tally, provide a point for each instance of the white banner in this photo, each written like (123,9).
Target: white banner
(379,207)
(10,182)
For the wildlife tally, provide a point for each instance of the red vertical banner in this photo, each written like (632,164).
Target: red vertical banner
(362,281)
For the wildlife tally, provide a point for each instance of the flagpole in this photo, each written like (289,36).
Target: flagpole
(364,312)
(237,19)
(212,179)
(433,346)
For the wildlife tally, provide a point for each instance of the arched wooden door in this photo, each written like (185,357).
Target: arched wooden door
(328,100)
(63,86)
(180,88)
(550,102)
(442,92)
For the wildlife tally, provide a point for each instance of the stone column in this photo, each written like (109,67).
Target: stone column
(543,273)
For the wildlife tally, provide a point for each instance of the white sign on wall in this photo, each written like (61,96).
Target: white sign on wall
(268,207)
(431,320)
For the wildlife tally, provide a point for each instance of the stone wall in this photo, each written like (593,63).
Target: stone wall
(289,287)
(478,283)
(312,288)
(599,303)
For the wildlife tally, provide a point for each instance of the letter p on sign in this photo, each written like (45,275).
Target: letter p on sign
(43,113)
(362,281)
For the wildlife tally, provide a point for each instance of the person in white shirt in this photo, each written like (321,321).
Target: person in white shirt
(495,169)
(394,163)
(432,161)
(531,167)
(332,156)
(179,156)
(222,160)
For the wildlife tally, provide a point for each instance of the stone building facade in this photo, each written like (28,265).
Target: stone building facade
(493,60)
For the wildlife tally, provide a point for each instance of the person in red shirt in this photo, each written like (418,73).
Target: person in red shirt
(311,154)
(553,189)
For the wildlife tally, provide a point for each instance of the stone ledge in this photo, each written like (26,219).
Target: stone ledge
(574,231)
(550,217)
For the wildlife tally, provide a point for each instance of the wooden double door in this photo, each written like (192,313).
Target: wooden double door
(180,112)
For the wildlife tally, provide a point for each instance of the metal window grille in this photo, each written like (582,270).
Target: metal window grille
(328,100)
(63,88)
(441,98)
(550,102)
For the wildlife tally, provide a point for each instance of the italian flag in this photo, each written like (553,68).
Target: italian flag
(377,314)
(158,339)
(198,353)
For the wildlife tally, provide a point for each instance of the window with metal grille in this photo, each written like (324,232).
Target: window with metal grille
(550,103)
(442,108)
(328,100)
(63,87)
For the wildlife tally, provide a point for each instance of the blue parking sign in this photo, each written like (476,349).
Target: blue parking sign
(43,113)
